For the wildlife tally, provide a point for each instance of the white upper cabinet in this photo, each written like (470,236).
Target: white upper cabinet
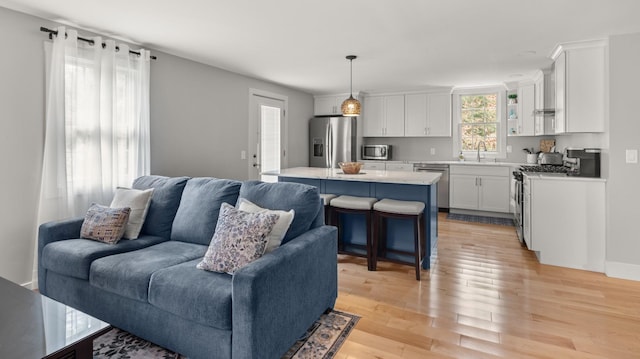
(373,122)
(394,115)
(328,105)
(580,81)
(427,115)
(384,117)
(415,123)
(439,114)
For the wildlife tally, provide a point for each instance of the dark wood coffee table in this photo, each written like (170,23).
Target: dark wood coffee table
(34,326)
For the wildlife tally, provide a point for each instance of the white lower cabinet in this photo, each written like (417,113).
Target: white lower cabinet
(463,191)
(567,221)
(368,165)
(408,167)
(389,166)
(481,187)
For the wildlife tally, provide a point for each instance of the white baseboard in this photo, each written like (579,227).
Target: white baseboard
(28,285)
(622,270)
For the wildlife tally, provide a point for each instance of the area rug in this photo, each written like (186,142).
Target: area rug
(321,341)
(480,219)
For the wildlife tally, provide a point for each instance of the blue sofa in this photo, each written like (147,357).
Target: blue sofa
(151,286)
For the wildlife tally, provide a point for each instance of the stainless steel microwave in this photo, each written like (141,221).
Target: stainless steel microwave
(376,152)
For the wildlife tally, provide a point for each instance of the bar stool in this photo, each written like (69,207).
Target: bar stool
(326,199)
(354,205)
(410,210)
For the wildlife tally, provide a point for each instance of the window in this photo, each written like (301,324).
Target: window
(479,118)
(101,139)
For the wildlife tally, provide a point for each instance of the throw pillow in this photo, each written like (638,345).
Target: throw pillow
(104,224)
(138,201)
(279,230)
(240,238)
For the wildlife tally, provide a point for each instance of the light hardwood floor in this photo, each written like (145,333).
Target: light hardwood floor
(486,297)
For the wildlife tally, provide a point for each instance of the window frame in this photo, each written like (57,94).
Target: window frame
(501,130)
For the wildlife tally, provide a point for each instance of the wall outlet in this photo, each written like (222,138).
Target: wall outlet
(509,149)
(632,156)
(243,155)
(432,151)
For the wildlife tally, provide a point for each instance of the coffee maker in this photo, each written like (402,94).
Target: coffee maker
(583,162)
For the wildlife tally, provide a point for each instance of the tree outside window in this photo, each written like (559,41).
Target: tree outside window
(479,121)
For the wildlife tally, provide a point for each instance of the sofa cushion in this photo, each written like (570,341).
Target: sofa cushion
(164,202)
(197,215)
(138,201)
(284,196)
(73,257)
(201,296)
(105,224)
(128,274)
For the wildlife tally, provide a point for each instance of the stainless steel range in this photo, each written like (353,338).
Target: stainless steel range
(519,197)
(545,169)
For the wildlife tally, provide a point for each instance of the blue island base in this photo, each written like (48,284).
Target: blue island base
(399,231)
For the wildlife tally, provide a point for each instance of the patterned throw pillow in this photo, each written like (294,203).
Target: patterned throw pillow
(138,201)
(240,238)
(105,224)
(274,238)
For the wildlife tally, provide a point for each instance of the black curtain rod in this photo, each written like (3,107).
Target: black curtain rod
(55,32)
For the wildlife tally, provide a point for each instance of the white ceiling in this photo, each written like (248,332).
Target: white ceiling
(400,44)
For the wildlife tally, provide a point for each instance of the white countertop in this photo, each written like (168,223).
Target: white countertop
(484,162)
(399,177)
(561,177)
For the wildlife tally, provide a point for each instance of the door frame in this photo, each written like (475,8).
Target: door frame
(253,129)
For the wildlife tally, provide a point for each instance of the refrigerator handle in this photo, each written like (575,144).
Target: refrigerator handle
(329,147)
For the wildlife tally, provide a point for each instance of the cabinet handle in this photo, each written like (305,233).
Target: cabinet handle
(480,181)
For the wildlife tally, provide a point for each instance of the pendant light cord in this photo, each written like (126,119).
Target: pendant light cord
(351,77)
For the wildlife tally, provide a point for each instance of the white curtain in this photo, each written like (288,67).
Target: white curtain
(97,123)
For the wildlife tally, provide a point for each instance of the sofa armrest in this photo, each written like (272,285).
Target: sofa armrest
(277,297)
(52,232)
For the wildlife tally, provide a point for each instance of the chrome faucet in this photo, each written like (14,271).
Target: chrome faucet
(483,145)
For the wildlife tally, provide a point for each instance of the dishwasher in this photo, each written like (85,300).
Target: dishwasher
(443,184)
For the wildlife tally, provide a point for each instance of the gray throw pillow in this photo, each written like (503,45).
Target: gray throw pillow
(240,238)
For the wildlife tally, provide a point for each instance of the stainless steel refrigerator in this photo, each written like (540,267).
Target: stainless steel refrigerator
(332,139)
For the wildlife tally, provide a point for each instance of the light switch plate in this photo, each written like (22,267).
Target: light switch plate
(632,156)
(509,149)
(432,151)
(243,155)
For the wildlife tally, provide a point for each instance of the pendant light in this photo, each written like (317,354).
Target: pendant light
(351,106)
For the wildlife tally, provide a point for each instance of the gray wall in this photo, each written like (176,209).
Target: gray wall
(199,119)
(199,125)
(623,192)
(21,131)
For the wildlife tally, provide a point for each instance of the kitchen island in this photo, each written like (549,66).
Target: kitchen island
(399,185)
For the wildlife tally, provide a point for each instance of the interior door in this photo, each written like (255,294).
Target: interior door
(267,135)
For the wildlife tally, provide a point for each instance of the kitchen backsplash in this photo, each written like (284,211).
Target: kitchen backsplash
(419,148)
